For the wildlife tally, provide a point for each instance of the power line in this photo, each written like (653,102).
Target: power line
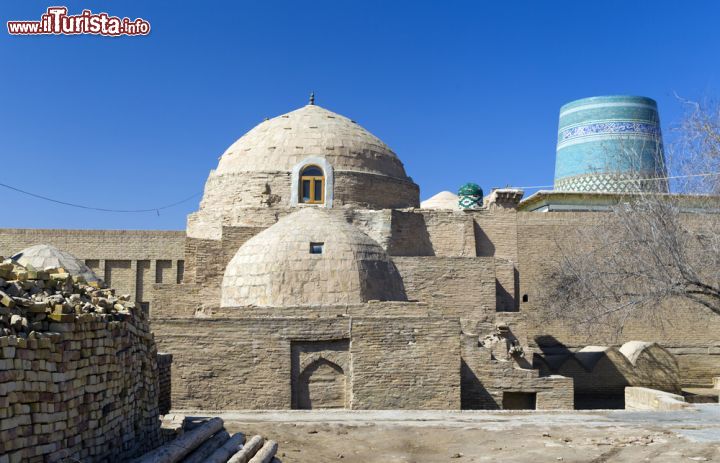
(101,209)
(194,195)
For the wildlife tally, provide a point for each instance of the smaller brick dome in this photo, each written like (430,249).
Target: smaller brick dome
(311,257)
(442,200)
(42,256)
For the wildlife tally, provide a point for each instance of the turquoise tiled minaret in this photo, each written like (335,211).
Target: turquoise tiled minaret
(610,144)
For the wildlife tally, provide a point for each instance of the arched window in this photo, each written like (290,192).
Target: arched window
(312,185)
(312,182)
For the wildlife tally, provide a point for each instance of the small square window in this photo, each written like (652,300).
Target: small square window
(316,248)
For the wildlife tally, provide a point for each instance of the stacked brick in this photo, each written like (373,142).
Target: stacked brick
(78,371)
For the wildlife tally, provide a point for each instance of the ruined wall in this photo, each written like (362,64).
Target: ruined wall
(486,380)
(237,363)
(131,261)
(489,371)
(85,391)
(690,333)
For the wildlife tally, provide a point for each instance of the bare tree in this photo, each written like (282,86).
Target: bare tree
(695,155)
(649,248)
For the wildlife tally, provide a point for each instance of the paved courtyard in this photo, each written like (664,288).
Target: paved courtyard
(482,436)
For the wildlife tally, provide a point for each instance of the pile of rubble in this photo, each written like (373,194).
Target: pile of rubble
(31,299)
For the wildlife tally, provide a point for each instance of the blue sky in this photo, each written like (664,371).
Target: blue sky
(462,91)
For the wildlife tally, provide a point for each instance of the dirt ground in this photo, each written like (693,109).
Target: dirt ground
(390,437)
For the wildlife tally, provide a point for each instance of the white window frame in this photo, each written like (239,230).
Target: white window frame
(329,181)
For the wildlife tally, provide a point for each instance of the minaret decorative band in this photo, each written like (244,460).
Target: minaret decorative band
(610,144)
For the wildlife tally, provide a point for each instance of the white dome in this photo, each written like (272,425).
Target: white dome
(442,200)
(277,268)
(43,256)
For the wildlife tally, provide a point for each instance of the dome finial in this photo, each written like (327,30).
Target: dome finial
(312,98)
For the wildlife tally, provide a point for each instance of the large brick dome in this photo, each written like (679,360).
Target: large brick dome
(311,257)
(261,170)
(280,143)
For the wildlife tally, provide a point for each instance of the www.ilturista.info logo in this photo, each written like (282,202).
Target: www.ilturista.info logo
(57,22)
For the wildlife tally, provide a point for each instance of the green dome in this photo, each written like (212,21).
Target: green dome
(470,189)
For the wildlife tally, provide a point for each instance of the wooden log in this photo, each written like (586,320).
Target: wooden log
(266,453)
(179,448)
(248,451)
(205,450)
(229,448)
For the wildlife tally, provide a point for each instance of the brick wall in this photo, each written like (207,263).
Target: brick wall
(405,363)
(131,260)
(487,374)
(424,232)
(237,363)
(688,332)
(485,381)
(86,391)
(457,286)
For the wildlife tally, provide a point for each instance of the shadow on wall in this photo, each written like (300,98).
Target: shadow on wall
(483,245)
(513,341)
(375,284)
(601,373)
(473,395)
(410,236)
(505,301)
(602,388)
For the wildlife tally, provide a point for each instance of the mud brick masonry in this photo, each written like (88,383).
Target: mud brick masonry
(78,371)
(353,295)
